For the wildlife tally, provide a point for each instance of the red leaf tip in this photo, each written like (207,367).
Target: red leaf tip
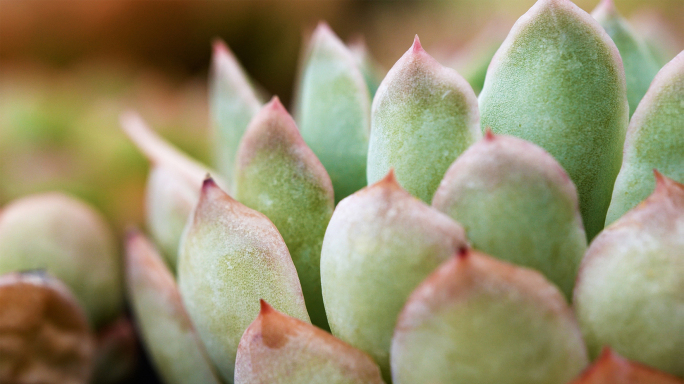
(265,308)
(489,135)
(219,46)
(208,183)
(462,253)
(389,179)
(417,47)
(276,105)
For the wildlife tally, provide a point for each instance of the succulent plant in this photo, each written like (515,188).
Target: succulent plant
(405,231)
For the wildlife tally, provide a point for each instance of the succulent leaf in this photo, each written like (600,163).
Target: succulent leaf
(170,338)
(640,64)
(371,70)
(44,333)
(480,320)
(655,139)
(233,104)
(279,349)
(279,176)
(380,244)
(557,81)
(333,111)
(629,291)
(230,257)
(172,185)
(423,116)
(611,368)
(72,241)
(516,203)
(169,199)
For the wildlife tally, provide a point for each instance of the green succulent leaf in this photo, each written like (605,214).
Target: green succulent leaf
(233,103)
(279,176)
(279,349)
(380,244)
(655,139)
(480,320)
(640,64)
(333,111)
(629,289)
(372,72)
(424,115)
(558,81)
(230,257)
(72,241)
(172,186)
(170,338)
(516,203)
(169,199)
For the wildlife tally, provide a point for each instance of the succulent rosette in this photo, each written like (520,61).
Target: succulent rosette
(404,230)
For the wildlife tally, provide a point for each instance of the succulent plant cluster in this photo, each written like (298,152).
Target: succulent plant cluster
(394,231)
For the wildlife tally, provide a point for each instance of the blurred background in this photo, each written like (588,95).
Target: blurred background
(68,68)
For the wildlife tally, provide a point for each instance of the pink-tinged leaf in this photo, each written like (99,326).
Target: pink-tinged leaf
(230,257)
(380,244)
(170,339)
(611,368)
(279,176)
(423,117)
(279,349)
(629,293)
(233,103)
(480,320)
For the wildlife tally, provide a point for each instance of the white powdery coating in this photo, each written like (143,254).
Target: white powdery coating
(230,257)
(169,200)
(170,338)
(629,289)
(423,116)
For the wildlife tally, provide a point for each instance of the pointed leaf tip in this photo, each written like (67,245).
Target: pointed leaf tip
(463,253)
(220,48)
(265,308)
(489,135)
(276,105)
(390,180)
(417,47)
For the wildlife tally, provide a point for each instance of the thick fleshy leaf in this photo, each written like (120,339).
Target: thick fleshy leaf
(611,368)
(380,244)
(279,349)
(169,199)
(424,115)
(233,104)
(655,139)
(516,203)
(333,111)
(640,64)
(558,81)
(72,241)
(172,186)
(230,257)
(480,320)
(44,333)
(371,70)
(629,289)
(170,339)
(279,176)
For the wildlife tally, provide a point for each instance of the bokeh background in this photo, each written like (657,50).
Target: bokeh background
(68,68)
